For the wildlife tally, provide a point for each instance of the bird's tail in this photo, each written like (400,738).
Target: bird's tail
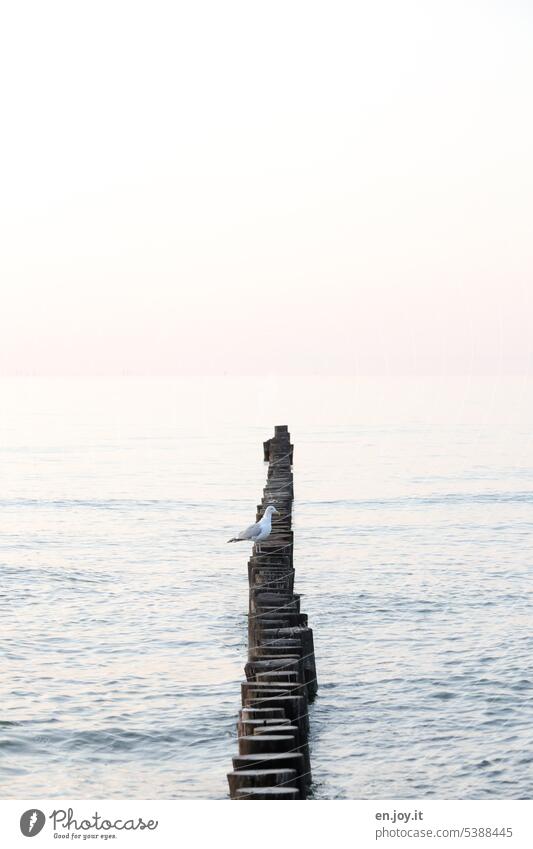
(237,539)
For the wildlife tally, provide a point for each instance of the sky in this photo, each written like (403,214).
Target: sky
(275,188)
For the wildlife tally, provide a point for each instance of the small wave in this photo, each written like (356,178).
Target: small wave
(107,503)
(116,739)
(432,499)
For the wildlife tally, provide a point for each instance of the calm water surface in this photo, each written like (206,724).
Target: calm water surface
(123,610)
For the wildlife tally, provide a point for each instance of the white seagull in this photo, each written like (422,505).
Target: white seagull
(260,531)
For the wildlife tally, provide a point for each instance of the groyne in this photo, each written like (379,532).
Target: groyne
(280,673)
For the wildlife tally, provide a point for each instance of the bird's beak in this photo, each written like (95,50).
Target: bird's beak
(276,511)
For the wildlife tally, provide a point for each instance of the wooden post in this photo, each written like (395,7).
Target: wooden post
(246,779)
(280,673)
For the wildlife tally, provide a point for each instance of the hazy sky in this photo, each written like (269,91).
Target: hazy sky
(281,187)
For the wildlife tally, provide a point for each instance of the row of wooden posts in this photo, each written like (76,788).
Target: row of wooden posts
(273,759)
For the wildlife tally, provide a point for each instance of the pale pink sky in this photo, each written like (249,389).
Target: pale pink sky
(291,187)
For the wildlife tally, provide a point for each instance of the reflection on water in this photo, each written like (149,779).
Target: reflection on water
(123,610)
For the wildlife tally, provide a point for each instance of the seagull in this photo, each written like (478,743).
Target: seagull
(260,531)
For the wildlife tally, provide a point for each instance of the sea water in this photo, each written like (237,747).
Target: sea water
(123,610)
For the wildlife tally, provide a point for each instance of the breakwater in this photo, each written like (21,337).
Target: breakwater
(280,673)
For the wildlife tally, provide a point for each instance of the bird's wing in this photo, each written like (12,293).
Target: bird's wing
(250,532)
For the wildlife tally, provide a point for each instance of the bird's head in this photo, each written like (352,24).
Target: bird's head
(271,509)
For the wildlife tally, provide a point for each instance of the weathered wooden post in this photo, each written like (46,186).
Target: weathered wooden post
(280,674)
